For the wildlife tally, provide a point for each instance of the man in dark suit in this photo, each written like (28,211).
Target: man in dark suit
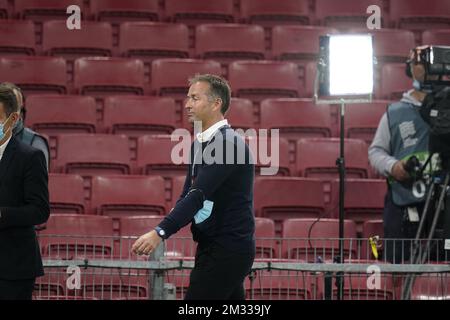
(23,204)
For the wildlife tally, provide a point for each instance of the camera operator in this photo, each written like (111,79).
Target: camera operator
(402,135)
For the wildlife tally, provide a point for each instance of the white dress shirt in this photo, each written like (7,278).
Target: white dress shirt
(211,131)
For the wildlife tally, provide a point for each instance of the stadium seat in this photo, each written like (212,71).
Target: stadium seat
(290,198)
(101,76)
(361,120)
(178,245)
(345,14)
(35,74)
(150,162)
(43,10)
(193,12)
(432,286)
(118,196)
(390,45)
(240,114)
(307,81)
(420,15)
(59,114)
(16,37)
(316,157)
(74,236)
(228,42)
(270,155)
(152,40)
(394,82)
(117,11)
(294,43)
(309,239)
(280,285)
(270,13)
(265,238)
(66,193)
(364,199)
(3,9)
(436,37)
(51,284)
(257,80)
(371,228)
(139,115)
(296,118)
(170,76)
(93,154)
(93,39)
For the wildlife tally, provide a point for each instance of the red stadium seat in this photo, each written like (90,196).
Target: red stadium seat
(177,246)
(93,39)
(269,12)
(296,118)
(193,12)
(153,40)
(307,239)
(265,238)
(420,15)
(316,157)
(139,115)
(43,10)
(35,74)
(371,228)
(270,155)
(93,154)
(345,13)
(257,80)
(52,284)
(436,37)
(73,236)
(16,37)
(364,199)
(361,120)
(150,162)
(240,114)
(227,42)
(100,76)
(295,43)
(281,285)
(170,76)
(66,193)
(118,10)
(307,82)
(432,286)
(307,201)
(3,9)
(59,114)
(117,196)
(394,82)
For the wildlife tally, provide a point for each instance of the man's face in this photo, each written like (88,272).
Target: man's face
(199,106)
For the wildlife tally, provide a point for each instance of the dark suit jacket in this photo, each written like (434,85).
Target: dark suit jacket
(23,204)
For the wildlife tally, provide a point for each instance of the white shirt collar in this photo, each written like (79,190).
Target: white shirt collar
(211,131)
(3,147)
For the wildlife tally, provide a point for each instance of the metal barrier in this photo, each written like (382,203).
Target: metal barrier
(289,269)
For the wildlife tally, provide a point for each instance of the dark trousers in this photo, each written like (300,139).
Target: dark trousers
(16,289)
(218,274)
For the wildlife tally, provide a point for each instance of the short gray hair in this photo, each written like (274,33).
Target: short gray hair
(218,88)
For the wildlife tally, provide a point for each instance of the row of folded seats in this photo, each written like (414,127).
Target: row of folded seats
(414,14)
(252,79)
(110,199)
(222,42)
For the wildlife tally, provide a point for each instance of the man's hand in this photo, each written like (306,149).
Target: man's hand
(398,171)
(146,243)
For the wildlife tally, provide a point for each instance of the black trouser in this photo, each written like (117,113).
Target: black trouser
(16,289)
(398,227)
(218,274)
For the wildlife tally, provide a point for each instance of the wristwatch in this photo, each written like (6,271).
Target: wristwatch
(160,232)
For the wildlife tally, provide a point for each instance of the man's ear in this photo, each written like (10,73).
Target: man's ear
(218,104)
